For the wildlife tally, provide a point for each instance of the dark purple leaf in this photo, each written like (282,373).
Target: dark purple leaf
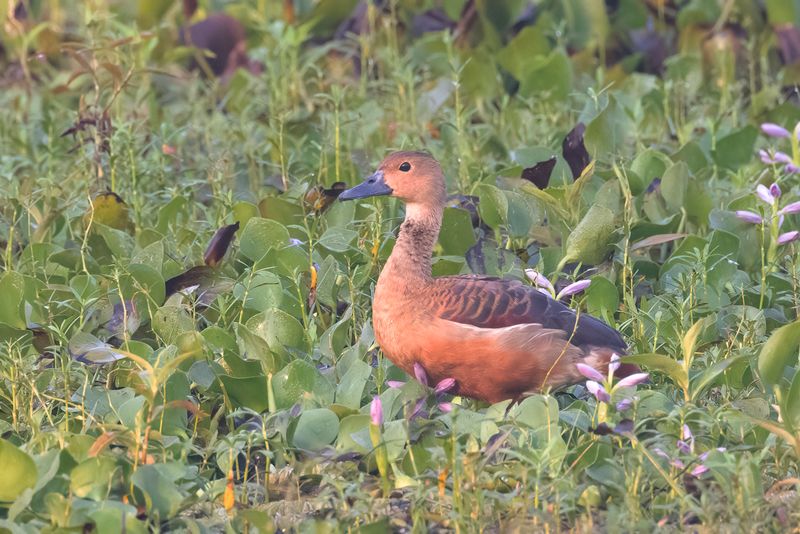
(574,151)
(219,244)
(540,173)
(624,427)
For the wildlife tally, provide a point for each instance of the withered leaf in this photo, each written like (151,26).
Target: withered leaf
(219,244)
(540,173)
(574,151)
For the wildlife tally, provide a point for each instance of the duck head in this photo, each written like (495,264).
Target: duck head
(413,177)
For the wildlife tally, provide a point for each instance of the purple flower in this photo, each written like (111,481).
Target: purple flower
(774,130)
(788,237)
(446,407)
(790,209)
(539,280)
(764,194)
(573,288)
(417,411)
(782,157)
(376,411)
(420,374)
(624,405)
(684,447)
(395,384)
(633,380)
(699,470)
(749,216)
(444,386)
(765,157)
(589,372)
(598,391)
(775,190)
(791,168)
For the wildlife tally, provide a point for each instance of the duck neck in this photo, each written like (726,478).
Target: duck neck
(412,253)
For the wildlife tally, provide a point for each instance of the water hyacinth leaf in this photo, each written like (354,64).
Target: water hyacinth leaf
(779,351)
(456,236)
(278,328)
(602,297)
(735,150)
(259,235)
(19,471)
(92,478)
(539,174)
(315,429)
(338,239)
(493,206)
(259,292)
(549,76)
(246,392)
(254,347)
(589,241)
(326,282)
(674,184)
(86,348)
(520,214)
(352,384)
(517,55)
(12,289)
(219,244)
(301,382)
(669,366)
(609,131)
(574,150)
(157,482)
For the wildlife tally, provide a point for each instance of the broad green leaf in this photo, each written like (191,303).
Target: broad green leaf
(674,184)
(779,351)
(94,478)
(12,289)
(260,235)
(589,241)
(278,328)
(548,76)
(736,149)
(493,205)
(791,410)
(456,236)
(301,382)
(18,471)
(315,429)
(157,481)
(248,392)
(672,368)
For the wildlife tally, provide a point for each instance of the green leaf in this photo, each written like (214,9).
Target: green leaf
(456,236)
(92,478)
(736,149)
(602,297)
(338,239)
(248,392)
(609,131)
(298,382)
(157,481)
(518,54)
(707,377)
(19,471)
(589,241)
(351,386)
(86,348)
(791,410)
(672,368)
(493,205)
(12,289)
(674,185)
(260,235)
(315,429)
(278,328)
(779,351)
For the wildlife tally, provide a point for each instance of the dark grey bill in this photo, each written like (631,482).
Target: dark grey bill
(371,187)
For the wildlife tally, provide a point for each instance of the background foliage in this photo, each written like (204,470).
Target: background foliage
(151,381)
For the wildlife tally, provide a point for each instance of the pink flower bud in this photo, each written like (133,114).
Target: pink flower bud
(774,130)
(394,384)
(788,237)
(790,209)
(633,380)
(782,157)
(766,158)
(624,405)
(573,289)
(598,391)
(420,374)
(446,407)
(699,470)
(749,216)
(444,386)
(589,372)
(376,411)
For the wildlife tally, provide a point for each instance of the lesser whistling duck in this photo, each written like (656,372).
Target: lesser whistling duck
(499,339)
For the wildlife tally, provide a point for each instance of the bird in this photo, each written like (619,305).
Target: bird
(499,338)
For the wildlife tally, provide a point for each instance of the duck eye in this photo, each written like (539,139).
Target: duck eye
(405,166)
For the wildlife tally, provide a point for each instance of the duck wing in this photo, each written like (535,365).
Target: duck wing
(490,302)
